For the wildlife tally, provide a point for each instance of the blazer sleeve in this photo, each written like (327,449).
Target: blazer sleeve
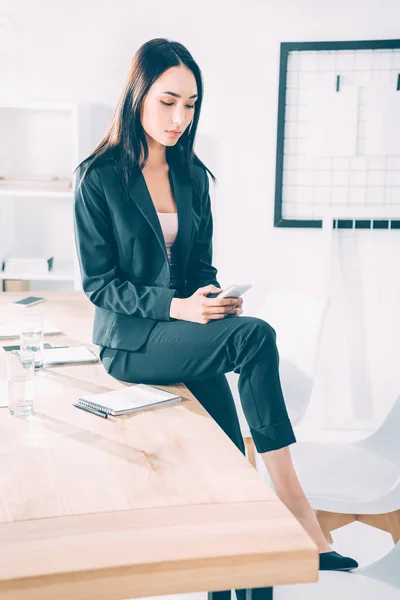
(97,255)
(200,271)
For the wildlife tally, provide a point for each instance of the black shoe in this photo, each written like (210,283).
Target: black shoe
(332,561)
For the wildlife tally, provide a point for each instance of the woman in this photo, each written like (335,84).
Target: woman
(157,319)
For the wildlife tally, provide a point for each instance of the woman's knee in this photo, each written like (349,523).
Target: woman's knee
(259,327)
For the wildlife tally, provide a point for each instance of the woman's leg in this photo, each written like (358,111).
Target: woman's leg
(263,361)
(288,489)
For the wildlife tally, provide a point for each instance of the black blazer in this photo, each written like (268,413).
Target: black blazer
(122,253)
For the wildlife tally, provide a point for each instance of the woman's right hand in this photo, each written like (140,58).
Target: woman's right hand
(200,309)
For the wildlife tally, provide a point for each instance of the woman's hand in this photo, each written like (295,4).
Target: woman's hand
(239,309)
(200,309)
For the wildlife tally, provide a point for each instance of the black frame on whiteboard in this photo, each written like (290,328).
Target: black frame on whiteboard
(286,48)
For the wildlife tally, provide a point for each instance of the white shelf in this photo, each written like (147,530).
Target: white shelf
(41,143)
(62,271)
(60,188)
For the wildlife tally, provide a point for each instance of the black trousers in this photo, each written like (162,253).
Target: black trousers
(199,355)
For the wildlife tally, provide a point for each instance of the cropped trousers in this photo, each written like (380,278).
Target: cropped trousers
(199,355)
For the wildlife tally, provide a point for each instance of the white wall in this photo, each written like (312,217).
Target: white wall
(80,50)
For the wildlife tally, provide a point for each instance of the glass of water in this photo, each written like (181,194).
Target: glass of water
(31,335)
(20,372)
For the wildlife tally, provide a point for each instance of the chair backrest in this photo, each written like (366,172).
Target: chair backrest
(386,569)
(298,320)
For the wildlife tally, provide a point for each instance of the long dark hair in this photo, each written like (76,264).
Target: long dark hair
(125,135)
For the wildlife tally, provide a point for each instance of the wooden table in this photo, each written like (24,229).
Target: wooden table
(157,502)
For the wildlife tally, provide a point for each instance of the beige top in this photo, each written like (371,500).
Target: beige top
(169,226)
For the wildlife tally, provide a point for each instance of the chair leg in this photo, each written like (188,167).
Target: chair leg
(250,451)
(225,595)
(329,521)
(255,594)
(249,594)
(389,522)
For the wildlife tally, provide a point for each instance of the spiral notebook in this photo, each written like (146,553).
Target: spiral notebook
(129,399)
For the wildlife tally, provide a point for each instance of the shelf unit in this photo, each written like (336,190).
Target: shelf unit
(40,146)
(36,189)
(64,271)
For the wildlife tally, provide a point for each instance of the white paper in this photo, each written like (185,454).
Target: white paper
(12,330)
(332,121)
(382,126)
(77,354)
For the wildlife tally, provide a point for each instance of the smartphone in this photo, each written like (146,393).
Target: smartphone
(234,291)
(28,301)
(12,348)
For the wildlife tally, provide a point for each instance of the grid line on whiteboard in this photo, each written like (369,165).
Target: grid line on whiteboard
(359,187)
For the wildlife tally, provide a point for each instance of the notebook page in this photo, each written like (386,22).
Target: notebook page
(130,397)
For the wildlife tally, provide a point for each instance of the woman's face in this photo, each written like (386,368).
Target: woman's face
(169,105)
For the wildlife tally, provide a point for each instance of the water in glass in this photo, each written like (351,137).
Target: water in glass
(20,383)
(31,337)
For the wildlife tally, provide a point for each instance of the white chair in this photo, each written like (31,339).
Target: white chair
(380,579)
(386,569)
(298,320)
(358,481)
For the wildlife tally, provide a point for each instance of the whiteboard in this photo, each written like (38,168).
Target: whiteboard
(340,146)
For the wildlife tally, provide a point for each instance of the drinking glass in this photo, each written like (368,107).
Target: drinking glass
(20,372)
(31,335)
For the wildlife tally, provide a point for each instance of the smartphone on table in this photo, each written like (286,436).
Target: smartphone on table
(17,347)
(28,301)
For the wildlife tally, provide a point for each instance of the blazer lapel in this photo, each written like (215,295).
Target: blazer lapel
(182,191)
